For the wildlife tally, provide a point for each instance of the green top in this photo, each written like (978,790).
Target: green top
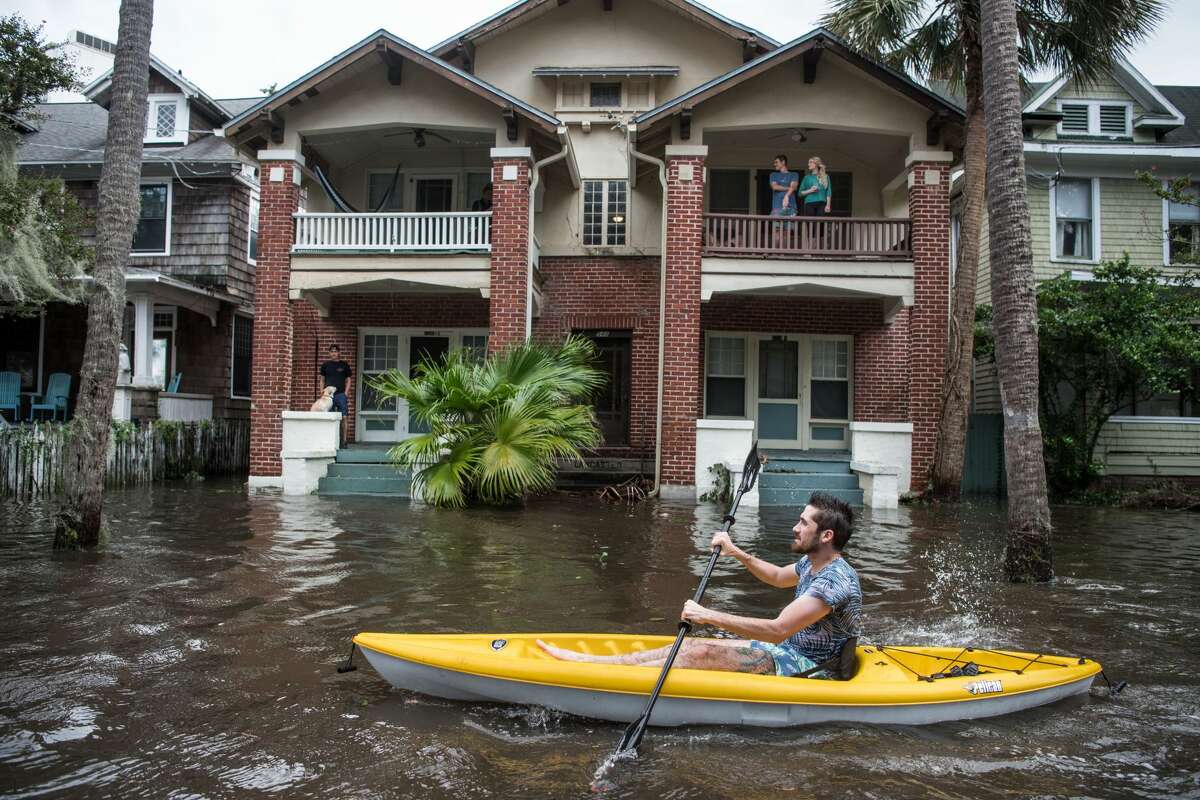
(821,195)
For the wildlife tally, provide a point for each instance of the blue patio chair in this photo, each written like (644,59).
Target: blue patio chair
(58,389)
(10,394)
(173,386)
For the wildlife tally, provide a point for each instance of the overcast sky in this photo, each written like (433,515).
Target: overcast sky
(234,49)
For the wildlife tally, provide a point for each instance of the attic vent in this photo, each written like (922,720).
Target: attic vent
(1112,120)
(1075,118)
(95,42)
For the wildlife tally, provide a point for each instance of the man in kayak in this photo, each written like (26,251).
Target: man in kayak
(826,611)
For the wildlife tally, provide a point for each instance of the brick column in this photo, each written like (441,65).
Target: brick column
(510,246)
(271,364)
(681,361)
(929,208)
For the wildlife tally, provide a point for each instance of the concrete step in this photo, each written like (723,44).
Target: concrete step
(798,497)
(360,470)
(803,464)
(812,481)
(394,487)
(359,454)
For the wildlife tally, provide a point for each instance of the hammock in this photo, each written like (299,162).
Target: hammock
(340,201)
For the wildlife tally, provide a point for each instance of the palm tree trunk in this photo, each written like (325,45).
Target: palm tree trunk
(1028,555)
(956,387)
(116,218)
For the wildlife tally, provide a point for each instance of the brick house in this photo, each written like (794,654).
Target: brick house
(629,173)
(190,275)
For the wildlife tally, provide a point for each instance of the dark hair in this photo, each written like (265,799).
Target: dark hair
(334,347)
(781,157)
(833,515)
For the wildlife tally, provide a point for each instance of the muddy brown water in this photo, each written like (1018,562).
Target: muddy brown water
(195,656)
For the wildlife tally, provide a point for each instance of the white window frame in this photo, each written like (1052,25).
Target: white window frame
(253,224)
(1096,238)
(1093,107)
(180,135)
(400,181)
(586,97)
(745,376)
(233,351)
(604,203)
(1166,225)
(170,208)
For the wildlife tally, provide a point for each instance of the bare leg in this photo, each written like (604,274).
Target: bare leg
(730,655)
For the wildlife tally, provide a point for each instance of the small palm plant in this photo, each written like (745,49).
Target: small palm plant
(493,429)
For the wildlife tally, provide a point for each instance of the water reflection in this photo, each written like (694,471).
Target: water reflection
(195,656)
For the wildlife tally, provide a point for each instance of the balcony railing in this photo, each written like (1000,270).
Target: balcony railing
(396,232)
(807,237)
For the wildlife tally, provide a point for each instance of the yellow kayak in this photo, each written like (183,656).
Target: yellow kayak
(892,684)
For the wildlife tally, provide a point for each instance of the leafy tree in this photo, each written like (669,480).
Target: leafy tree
(494,428)
(1126,336)
(41,254)
(940,40)
(1182,191)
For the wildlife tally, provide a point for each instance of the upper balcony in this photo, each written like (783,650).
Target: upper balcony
(764,236)
(393,232)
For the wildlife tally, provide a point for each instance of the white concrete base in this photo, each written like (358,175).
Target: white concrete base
(310,445)
(886,444)
(265,484)
(672,491)
(879,483)
(123,403)
(724,441)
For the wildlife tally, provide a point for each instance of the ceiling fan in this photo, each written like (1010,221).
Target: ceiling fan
(418,135)
(796,135)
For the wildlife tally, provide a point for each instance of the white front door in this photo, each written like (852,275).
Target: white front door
(379,418)
(777,397)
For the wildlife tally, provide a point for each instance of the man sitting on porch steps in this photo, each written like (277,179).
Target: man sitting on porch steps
(826,611)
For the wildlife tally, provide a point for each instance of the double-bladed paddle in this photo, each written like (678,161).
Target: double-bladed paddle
(633,734)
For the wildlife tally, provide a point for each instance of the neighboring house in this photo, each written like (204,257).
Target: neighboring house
(1083,147)
(822,336)
(190,276)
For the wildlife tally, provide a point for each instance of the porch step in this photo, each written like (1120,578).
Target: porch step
(354,469)
(363,454)
(341,485)
(799,461)
(768,496)
(811,481)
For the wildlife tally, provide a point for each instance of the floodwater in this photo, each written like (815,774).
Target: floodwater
(195,656)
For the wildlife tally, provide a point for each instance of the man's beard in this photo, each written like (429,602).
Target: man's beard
(800,549)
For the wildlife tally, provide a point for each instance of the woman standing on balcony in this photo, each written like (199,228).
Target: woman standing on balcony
(815,189)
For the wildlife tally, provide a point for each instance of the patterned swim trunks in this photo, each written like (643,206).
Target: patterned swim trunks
(788,660)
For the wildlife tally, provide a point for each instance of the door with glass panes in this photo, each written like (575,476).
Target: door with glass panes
(383,349)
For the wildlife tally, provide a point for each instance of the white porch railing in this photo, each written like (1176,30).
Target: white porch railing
(447,232)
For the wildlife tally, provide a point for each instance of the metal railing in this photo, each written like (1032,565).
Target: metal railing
(455,231)
(807,237)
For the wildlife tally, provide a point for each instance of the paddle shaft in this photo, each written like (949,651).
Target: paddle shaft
(633,734)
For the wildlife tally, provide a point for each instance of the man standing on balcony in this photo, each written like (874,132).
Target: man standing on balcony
(484,203)
(783,194)
(336,373)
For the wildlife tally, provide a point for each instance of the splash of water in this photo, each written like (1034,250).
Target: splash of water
(601,784)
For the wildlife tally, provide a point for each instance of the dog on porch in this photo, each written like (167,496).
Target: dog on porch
(325,401)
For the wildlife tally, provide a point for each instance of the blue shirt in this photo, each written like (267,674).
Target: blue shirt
(783,179)
(836,585)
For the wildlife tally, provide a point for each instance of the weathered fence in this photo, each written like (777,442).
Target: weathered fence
(32,456)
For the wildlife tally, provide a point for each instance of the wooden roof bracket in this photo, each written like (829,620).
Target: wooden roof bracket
(685,123)
(275,122)
(933,128)
(749,49)
(395,64)
(811,57)
(510,122)
(466,51)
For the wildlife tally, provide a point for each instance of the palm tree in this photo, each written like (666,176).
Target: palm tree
(116,217)
(939,40)
(1028,555)
(495,428)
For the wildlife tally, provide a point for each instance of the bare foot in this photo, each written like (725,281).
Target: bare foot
(561,654)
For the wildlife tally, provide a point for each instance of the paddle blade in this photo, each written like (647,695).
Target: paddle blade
(632,736)
(750,469)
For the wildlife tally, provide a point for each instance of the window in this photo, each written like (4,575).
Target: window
(252,236)
(153,232)
(1094,118)
(725,377)
(604,209)
(729,191)
(830,379)
(1074,203)
(475,347)
(1183,230)
(379,184)
(243,342)
(605,95)
(166,119)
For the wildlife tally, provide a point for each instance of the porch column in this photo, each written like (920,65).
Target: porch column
(143,339)
(510,246)
(681,362)
(929,208)
(271,361)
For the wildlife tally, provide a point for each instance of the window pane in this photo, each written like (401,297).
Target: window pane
(606,95)
(726,397)
(1075,239)
(778,369)
(1186,212)
(830,400)
(151,233)
(378,184)
(726,356)
(593,212)
(164,119)
(830,359)
(243,338)
(475,347)
(616,212)
(729,191)
(1073,199)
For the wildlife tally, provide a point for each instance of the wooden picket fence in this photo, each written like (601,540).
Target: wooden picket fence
(32,456)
